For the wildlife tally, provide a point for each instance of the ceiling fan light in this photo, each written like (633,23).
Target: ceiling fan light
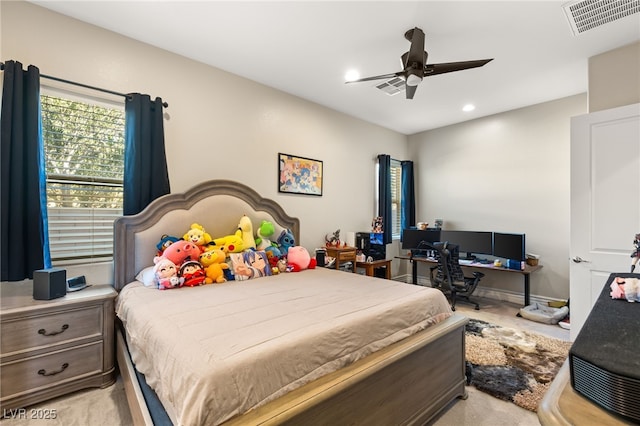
(413,80)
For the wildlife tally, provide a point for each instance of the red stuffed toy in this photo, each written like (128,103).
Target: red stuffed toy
(298,259)
(193,273)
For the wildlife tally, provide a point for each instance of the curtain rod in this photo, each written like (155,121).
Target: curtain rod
(62,80)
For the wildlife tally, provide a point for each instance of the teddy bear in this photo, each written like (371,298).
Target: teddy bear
(231,243)
(166,273)
(285,241)
(192,272)
(181,251)
(165,241)
(298,259)
(246,226)
(214,264)
(264,233)
(197,236)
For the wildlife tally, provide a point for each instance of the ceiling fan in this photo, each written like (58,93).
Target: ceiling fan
(415,64)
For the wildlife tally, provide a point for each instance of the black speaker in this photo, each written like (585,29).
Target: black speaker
(603,359)
(49,283)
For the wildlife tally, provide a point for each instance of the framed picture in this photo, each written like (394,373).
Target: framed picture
(299,175)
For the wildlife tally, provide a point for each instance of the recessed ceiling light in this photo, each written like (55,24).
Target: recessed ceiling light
(352,75)
(468,107)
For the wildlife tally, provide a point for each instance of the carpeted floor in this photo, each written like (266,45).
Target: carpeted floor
(510,364)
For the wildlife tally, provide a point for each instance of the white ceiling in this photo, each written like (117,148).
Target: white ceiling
(305,48)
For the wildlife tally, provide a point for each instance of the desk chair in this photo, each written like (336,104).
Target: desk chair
(449,276)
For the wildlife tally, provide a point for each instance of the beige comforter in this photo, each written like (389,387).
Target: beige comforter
(216,351)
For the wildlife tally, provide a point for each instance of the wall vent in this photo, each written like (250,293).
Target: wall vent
(585,15)
(392,87)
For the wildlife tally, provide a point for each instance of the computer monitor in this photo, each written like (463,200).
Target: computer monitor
(412,237)
(470,242)
(509,246)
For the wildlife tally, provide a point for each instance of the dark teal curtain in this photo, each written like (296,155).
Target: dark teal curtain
(24,244)
(145,163)
(408,209)
(384,195)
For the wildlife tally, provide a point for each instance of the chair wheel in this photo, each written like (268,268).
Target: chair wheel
(477,308)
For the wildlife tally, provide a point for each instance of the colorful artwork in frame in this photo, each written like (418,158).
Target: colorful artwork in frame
(299,175)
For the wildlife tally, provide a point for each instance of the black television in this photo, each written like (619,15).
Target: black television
(470,242)
(509,246)
(411,238)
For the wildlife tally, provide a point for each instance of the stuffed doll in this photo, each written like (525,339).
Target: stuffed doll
(264,233)
(181,251)
(231,243)
(214,264)
(246,227)
(165,241)
(197,236)
(166,273)
(285,240)
(298,259)
(192,272)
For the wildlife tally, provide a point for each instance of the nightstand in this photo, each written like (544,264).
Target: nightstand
(49,348)
(343,255)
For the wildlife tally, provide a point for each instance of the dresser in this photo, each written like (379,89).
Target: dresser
(343,255)
(52,347)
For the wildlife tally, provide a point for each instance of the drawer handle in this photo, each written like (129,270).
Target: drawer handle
(53,333)
(43,372)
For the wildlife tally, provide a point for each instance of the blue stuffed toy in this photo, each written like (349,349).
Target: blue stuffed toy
(285,240)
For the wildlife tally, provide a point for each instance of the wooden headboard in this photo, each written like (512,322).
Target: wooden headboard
(217,205)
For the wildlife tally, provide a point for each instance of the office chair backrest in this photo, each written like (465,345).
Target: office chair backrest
(449,269)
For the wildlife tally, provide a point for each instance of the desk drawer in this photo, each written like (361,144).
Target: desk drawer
(39,331)
(50,369)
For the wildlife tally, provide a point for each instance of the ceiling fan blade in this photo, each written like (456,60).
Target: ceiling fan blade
(377,77)
(410,90)
(434,69)
(416,57)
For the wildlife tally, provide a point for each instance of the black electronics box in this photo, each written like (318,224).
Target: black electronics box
(371,245)
(603,359)
(49,283)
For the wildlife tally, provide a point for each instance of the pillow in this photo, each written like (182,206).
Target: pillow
(250,264)
(147,277)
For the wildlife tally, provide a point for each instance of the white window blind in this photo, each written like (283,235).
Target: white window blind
(84,152)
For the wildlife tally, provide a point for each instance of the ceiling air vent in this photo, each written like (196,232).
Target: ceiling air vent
(392,87)
(586,15)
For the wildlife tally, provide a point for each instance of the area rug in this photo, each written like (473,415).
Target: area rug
(510,364)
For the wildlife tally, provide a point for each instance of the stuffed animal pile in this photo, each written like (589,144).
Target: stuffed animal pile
(198,258)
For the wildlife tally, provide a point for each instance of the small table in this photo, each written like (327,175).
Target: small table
(369,267)
(343,255)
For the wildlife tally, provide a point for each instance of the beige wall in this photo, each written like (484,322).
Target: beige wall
(509,173)
(614,78)
(219,125)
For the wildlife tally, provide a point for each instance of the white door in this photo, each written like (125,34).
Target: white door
(605,202)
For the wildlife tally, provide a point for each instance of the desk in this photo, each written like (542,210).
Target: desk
(342,255)
(525,272)
(370,266)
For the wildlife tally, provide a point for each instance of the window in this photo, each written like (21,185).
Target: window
(84,160)
(396,198)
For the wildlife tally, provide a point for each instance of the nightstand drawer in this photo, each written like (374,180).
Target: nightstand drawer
(47,330)
(48,370)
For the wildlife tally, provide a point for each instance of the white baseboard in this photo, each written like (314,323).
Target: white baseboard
(515,297)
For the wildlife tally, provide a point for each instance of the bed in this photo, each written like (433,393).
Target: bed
(295,348)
